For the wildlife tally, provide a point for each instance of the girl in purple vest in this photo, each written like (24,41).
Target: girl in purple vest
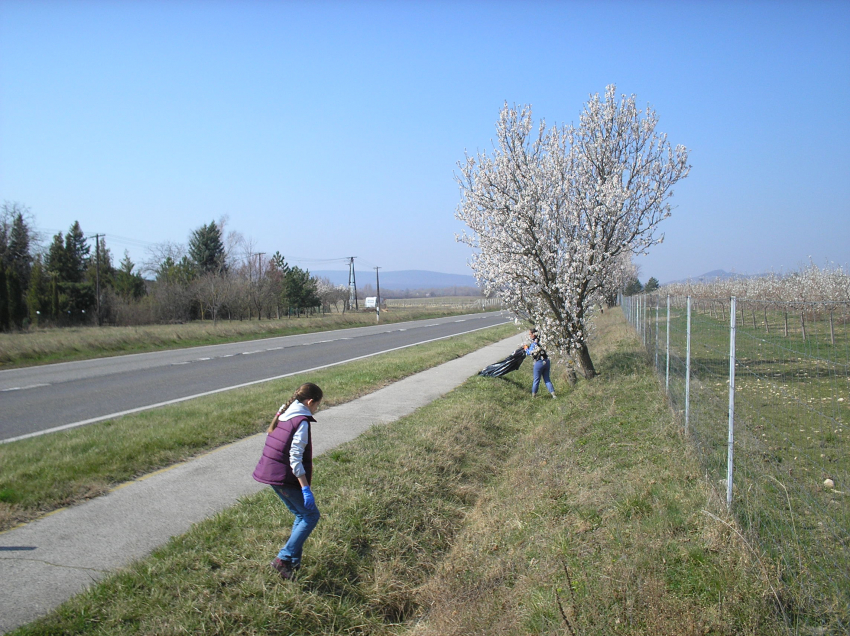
(287,466)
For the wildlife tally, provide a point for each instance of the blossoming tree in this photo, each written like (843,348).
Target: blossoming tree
(552,211)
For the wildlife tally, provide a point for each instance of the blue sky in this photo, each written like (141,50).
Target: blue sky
(333,129)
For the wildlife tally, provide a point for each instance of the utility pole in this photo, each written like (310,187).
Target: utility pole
(378,303)
(97,273)
(352,284)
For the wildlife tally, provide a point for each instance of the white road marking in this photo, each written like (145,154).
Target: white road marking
(24,388)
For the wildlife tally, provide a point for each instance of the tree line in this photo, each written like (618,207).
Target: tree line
(74,281)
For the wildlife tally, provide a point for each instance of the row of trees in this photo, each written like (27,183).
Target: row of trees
(74,281)
(214,277)
(557,214)
(56,284)
(808,284)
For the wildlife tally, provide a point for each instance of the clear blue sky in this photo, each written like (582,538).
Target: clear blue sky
(333,129)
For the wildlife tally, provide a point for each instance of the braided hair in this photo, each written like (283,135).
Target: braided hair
(307,391)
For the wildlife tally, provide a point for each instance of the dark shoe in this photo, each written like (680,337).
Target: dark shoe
(284,568)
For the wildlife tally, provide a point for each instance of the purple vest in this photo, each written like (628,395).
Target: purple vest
(273,467)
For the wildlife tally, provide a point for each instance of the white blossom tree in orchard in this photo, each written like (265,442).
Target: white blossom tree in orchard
(551,212)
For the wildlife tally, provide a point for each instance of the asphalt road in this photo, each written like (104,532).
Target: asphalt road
(40,399)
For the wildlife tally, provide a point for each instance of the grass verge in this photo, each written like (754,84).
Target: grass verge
(791,416)
(45,473)
(46,346)
(484,512)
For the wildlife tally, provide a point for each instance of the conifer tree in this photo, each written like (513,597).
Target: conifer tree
(206,249)
(4,299)
(17,306)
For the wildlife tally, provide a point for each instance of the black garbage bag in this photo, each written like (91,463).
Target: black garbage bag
(500,368)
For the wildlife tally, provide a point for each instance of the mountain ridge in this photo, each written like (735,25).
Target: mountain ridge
(401,280)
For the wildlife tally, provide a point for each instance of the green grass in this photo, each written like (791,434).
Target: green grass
(792,408)
(485,512)
(44,473)
(45,346)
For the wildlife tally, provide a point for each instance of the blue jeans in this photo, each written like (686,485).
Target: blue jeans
(305,521)
(541,368)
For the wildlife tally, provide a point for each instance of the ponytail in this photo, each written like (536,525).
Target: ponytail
(307,391)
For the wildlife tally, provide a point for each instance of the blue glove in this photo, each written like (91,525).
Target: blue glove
(309,501)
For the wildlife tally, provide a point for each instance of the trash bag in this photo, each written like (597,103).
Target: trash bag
(500,368)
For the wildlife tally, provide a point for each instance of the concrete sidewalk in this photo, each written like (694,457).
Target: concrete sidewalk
(47,561)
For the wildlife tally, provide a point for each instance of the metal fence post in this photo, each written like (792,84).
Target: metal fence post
(731,442)
(641,326)
(667,372)
(637,317)
(688,372)
(656,334)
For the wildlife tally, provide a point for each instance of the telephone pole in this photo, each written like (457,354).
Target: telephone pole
(352,284)
(378,302)
(97,273)
(260,264)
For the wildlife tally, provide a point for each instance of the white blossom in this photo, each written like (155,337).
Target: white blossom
(552,212)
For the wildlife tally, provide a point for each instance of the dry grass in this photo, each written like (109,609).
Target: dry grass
(482,513)
(599,526)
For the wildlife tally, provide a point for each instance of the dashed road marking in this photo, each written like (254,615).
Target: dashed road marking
(23,388)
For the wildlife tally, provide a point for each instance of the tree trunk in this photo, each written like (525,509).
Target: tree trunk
(803,324)
(766,324)
(585,364)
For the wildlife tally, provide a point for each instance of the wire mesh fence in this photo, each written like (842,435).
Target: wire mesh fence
(763,390)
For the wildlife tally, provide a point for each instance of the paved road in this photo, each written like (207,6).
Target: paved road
(39,399)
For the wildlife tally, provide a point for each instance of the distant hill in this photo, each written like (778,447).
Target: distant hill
(411,279)
(715,274)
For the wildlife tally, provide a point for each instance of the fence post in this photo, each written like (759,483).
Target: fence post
(731,442)
(656,334)
(641,325)
(667,372)
(640,321)
(688,372)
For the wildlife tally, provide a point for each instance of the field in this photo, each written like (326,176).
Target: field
(474,303)
(792,409)
(485,512)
